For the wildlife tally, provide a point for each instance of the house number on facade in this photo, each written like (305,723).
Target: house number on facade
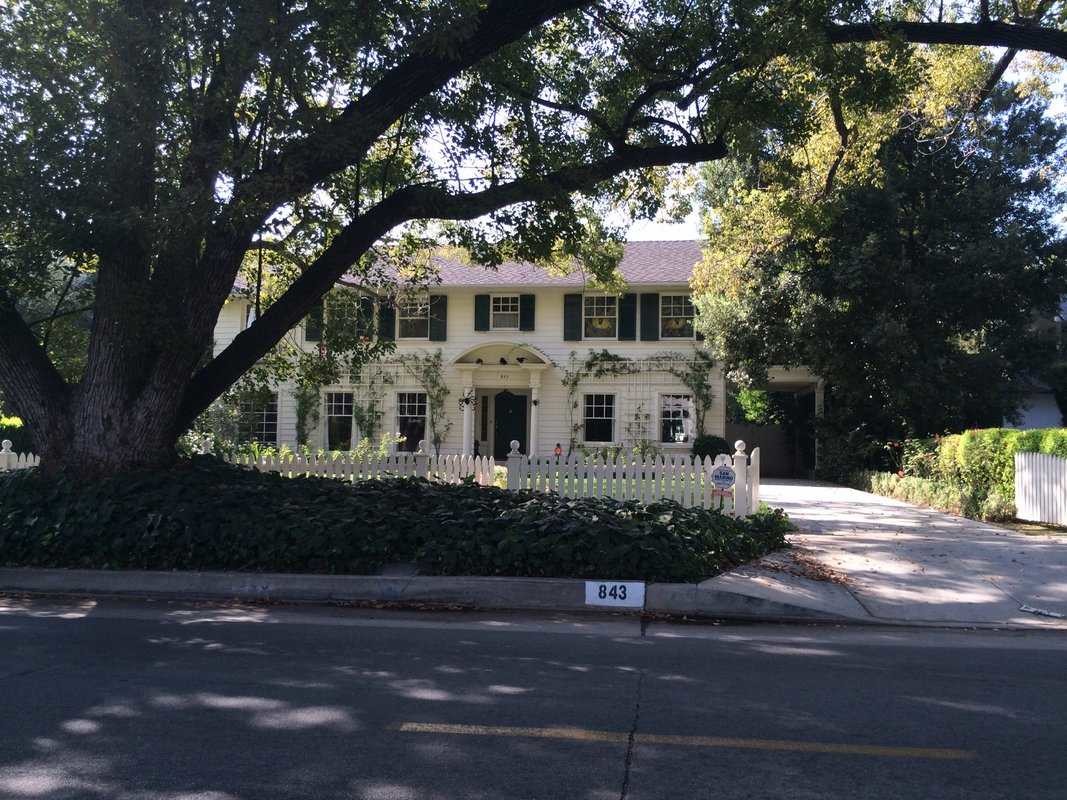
(617,594)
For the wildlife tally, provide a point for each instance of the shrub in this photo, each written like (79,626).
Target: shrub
(206,515)
(919,458)
(708,445)
(971,473)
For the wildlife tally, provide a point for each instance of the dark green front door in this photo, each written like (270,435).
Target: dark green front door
(509,411)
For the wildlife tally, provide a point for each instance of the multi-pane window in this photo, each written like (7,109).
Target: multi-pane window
(600,417)
(601,317)
(411,419)
(505,313)
(414,319)
(676,316)
(338,420)
(258,420)
(676,419)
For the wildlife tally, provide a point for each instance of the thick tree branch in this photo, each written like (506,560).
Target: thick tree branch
(410,203)
(30,382)
(988,34)
(345,140)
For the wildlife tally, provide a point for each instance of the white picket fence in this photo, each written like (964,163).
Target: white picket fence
(626,476)
(345,466)
(1041,488)
(10,460)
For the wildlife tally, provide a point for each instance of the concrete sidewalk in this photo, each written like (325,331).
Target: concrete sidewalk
(905,564)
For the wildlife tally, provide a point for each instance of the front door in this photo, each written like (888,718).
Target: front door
(509,411)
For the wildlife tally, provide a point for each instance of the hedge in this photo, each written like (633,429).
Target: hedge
(207,515)
(971,473)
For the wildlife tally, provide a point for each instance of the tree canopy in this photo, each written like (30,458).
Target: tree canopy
(155,144)
(912,285)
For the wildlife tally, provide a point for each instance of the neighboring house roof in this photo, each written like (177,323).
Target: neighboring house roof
(643,264)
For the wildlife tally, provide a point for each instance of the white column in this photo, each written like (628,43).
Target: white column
(535,394)
(468,420)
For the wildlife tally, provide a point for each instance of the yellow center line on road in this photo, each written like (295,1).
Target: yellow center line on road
(782,745)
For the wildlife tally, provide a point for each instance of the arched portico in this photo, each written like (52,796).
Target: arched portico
(503,367)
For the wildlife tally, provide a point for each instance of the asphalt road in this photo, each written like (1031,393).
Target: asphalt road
(176,702)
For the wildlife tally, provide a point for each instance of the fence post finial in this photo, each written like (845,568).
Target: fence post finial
(422,461)
(515,458)
(741,499)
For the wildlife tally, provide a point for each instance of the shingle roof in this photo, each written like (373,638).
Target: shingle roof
(643,263)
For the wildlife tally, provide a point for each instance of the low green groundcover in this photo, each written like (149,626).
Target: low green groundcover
(206,515)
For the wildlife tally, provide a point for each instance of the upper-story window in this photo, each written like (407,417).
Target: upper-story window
(413,319)
(676,316)
(601,317)
(505,312)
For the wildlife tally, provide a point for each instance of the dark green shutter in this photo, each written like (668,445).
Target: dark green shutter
(526,312)
(438,317)
(386,321)
(649,317)
(572,317)
(365,316)
(481,312)
(313,324)
(627,317)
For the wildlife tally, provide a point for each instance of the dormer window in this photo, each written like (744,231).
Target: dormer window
(601,317)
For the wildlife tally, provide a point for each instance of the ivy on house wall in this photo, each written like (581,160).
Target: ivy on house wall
(428,371)
(695,373)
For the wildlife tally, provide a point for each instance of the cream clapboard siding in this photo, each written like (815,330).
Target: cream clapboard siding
(553,420)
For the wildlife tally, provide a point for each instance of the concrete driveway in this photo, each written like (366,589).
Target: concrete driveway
(909,564)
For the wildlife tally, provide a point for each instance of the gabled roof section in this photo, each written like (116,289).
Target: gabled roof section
(643,263)
(651,263)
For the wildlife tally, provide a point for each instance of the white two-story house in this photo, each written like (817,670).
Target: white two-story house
(514,346)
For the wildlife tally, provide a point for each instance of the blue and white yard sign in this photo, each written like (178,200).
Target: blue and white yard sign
(723,477)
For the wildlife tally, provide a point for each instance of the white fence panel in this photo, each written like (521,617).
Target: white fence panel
(629,476)
(1041,488)
(626,476)
(10,460)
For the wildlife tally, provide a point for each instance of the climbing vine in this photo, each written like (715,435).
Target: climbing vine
(367,404)
(428,371)
(696,377)
(694,373)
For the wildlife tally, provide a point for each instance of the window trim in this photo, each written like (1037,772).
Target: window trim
(518,312)
(614,336)
(662,335)
(585,418)
(425,403)
(401,316)
(260,422)
(327,415)
(692,417)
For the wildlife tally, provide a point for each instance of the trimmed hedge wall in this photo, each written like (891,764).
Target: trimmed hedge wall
(971,473)
(207,515)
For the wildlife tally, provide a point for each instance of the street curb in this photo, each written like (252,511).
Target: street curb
(546,594)
(490,593)
(693,600)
